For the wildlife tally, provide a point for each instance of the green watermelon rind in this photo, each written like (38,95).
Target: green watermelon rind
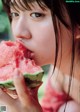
(33,85)
(37,78)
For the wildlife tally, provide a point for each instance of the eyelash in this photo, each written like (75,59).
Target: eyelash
(37,15)
(34,15)
(14,14)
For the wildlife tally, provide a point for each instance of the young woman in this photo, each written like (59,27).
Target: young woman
(45,28)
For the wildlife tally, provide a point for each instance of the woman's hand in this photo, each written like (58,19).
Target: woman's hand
(26,100)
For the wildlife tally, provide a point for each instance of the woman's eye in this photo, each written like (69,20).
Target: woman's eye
(14,14)
(36,15)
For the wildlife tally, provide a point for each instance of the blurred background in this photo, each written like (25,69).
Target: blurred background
(5,31)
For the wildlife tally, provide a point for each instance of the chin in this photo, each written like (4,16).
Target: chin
(41,63)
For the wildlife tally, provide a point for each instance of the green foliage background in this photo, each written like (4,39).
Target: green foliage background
(4,22)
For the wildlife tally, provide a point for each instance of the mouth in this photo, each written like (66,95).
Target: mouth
(29,54)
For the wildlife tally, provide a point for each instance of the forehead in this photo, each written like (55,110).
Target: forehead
(27,4)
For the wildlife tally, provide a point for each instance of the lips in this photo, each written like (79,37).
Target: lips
(29,53)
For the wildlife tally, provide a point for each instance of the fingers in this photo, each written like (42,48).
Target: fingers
(21,88)
(5,98)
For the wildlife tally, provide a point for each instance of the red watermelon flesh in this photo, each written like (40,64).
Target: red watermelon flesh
(14,55)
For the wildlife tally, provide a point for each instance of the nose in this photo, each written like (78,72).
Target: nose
(21,29)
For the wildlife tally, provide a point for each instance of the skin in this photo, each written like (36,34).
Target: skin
(36,40)
(36,32)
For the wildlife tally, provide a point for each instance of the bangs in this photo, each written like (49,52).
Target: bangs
(26,4)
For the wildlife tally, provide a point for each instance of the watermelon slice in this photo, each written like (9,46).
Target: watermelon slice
(14,55)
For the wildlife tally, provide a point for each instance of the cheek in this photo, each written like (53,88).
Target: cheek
(44,32)
(13,28)
(46,36)
(45,44)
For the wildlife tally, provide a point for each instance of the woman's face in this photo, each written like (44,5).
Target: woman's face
(35,29)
